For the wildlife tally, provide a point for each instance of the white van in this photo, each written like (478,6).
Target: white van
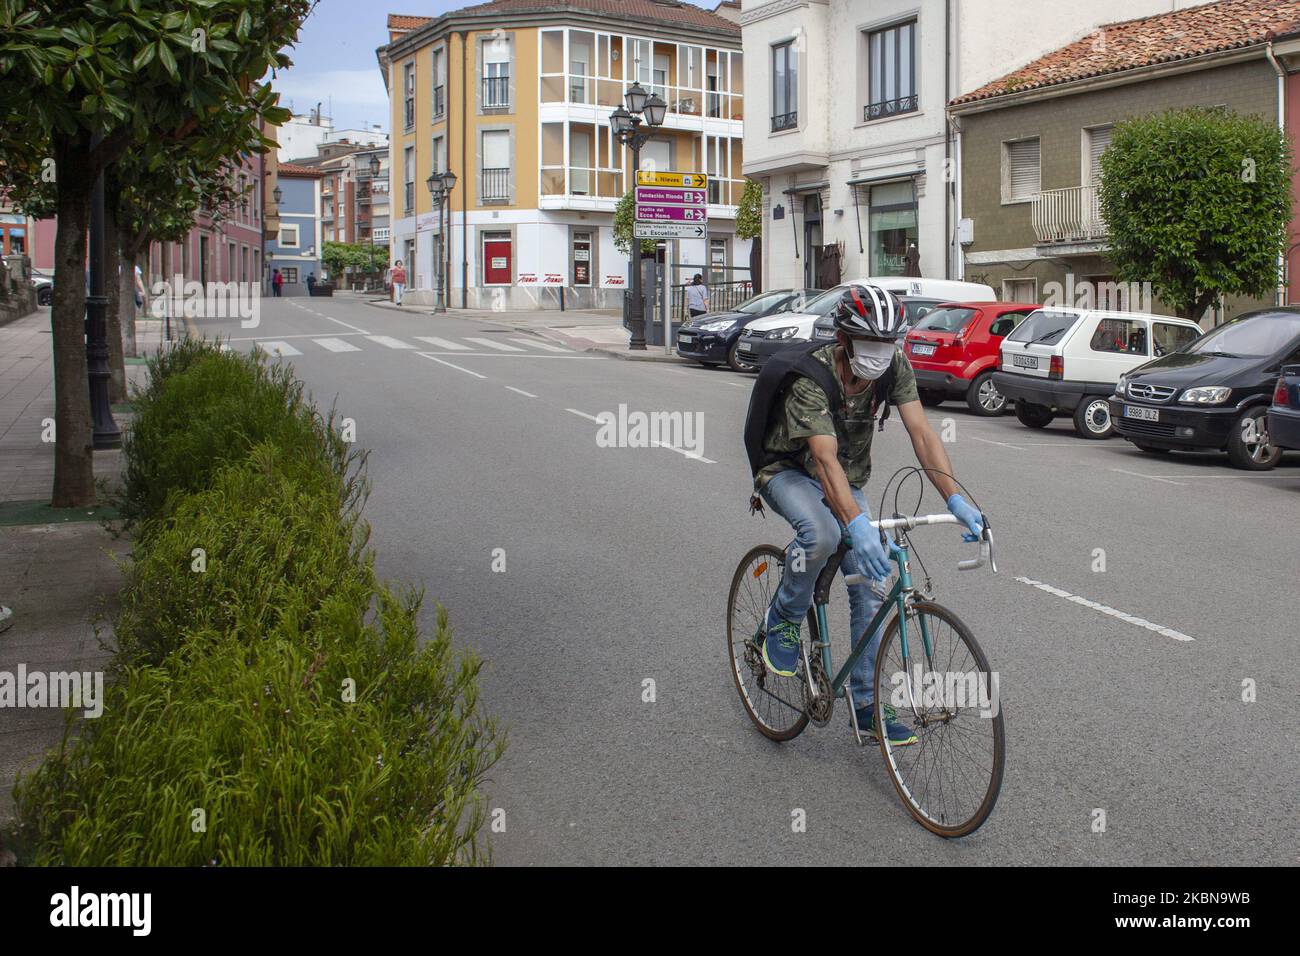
(1068,360)
(766,336)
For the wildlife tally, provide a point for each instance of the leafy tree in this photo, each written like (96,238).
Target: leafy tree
(624,217)
(749,214)
(1197,202)
(359,256)
(93,80)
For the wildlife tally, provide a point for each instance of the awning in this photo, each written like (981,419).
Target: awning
(806,188)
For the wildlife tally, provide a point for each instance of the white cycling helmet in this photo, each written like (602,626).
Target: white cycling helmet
(870,311)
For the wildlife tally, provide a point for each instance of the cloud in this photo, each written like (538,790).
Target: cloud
(352,95)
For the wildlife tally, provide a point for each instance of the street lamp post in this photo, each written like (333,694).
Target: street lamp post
(440,187)
(374,174)
(625,124)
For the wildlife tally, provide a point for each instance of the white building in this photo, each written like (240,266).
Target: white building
(847,129)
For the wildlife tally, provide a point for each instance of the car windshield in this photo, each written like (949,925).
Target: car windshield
(1045,325)
(763,302)
(1251,336)
(945,320)
(823,304)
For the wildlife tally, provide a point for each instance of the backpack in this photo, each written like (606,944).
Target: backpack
(777,376)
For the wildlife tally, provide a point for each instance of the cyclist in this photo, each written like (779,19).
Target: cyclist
(817,483)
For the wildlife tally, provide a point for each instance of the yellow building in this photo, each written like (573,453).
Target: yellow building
(514,97)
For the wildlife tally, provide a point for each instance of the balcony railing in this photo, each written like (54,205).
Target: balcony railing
(439,102)
(1068,215)
(887,108)
(580,88)
(496,185)
(782,121)
(496,92)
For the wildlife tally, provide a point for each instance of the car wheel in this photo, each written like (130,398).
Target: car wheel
(45,297)
(1150,449)
(736,363)
(1248,443)
(983,397)
(1092,418)
(1034,416)
(931,398)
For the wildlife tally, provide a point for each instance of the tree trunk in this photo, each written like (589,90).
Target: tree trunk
(112,312)
(74,464)
(756,263)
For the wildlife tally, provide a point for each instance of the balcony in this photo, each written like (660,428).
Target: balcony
(496,92)
(439,102)
(496,185)
(888,108)
(1069,216)
(584,90)
(783,121)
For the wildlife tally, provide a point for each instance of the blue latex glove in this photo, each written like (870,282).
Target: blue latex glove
(968,516)
(873,560)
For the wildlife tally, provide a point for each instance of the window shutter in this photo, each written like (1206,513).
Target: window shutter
(1098,140)
(1022,164)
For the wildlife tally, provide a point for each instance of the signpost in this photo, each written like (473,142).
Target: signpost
(670,205)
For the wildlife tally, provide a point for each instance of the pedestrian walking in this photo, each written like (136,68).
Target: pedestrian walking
(311,283)
(399,281)
(697,296)
(277,283)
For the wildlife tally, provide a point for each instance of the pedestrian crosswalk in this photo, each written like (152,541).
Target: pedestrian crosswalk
(518,346)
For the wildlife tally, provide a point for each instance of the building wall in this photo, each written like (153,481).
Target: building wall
(299,206)
(1005,230)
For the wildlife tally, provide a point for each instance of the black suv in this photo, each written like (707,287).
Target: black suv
(1212,393)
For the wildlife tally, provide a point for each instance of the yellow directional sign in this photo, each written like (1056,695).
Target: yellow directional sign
(651,177)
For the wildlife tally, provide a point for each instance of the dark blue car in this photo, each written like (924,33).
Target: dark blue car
(711,339)
(1284,415)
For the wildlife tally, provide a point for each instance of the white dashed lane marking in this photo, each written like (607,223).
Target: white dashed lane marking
(1107,610)
(490,343)
(544,346)
(336,345)
(277,347)
(444,343)
(390,342)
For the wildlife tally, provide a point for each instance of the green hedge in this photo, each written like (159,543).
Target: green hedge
(274,705)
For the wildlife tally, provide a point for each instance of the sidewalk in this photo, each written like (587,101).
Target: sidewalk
(588,330)
(60,577)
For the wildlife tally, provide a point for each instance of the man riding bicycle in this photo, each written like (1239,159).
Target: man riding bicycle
(816,483)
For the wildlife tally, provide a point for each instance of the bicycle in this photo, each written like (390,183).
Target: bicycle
(951,748)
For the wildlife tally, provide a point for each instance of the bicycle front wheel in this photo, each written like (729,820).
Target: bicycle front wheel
(777,705)
(950,778)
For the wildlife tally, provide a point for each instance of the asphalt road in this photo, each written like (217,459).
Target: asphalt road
(618,562)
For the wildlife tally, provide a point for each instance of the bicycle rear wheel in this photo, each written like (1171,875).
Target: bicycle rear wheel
(949,780)
(777,705)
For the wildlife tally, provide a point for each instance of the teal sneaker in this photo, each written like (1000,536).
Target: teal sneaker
(781,646)
(900,735)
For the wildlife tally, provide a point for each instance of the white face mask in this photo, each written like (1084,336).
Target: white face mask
(869,359)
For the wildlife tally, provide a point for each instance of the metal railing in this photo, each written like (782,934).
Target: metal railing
(496,185)
(1068,215)
(782,121)
(886,108)
(496,92)
(723,296)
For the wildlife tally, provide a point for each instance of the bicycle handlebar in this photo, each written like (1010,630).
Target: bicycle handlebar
(909,522)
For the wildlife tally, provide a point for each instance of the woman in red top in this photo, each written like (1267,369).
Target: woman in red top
(399,281)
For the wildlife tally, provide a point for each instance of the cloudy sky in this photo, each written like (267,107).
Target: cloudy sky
(334,61)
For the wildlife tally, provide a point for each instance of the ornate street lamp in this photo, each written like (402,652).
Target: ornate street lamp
(374,174)
(625,125)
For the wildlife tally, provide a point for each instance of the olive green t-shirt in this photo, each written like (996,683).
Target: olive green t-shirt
(807,412)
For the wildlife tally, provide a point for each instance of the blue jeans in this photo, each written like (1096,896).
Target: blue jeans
(797,497)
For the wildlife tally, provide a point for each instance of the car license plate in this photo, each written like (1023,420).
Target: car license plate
(926,350)
(1025,361)
(824,333)
(1143,414)
(685,338)
(745,347)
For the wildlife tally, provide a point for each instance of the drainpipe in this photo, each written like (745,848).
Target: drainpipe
(1281,125)
(948,192)
(954,126)
(464,193)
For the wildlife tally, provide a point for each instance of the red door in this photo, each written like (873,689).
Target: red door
(496,262)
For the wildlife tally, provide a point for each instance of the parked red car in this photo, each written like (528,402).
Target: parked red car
(955,351)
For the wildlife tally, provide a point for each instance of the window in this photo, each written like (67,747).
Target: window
(1126,336)
(408,179)
(580,160)
(1095,141)
(891,65)
(289,235)
(581,59)
(496,74)
(290,274)
(946,320)
(496,166)
(1005,323)
(439,155)
(582,258)
(439,86)
(1168,337)
(785,86)
(408,84)
(892,226)
(1020,170)
(1046,326)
